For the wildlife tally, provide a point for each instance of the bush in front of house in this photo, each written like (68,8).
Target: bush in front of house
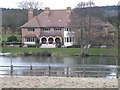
(12,39)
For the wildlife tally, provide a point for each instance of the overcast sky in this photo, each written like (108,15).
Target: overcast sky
(56,4)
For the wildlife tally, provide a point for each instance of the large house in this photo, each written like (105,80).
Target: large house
(50,28)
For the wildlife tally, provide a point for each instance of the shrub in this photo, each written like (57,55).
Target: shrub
(12,39)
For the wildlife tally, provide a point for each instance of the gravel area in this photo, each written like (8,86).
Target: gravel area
(56,82)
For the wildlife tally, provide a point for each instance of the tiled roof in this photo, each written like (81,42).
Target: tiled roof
(56,18)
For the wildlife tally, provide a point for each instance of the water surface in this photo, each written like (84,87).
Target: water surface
(71,62)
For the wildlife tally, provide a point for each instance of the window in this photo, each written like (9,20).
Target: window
(99,28)
(29,39)
(73,39)
(67,39)
(57,29)
(45,29)
(70,39)
(67,29)
(30,29)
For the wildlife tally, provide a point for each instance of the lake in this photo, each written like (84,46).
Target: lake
(102,66)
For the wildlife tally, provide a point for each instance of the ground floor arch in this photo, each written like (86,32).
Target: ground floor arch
(43,40)
(57,40)
(51,40)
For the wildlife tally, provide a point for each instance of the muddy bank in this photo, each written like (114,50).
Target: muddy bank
(49,54)
(56,82)
(84,55)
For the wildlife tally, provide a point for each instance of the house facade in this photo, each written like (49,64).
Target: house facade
(50,28)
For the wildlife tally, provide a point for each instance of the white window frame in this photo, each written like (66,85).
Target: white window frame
(30,39)
(30,29)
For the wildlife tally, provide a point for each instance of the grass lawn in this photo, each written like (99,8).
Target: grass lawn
(5,37)
(60,50)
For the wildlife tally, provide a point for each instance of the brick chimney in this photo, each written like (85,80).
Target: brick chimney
(47,11)
(68,10)
(30,14)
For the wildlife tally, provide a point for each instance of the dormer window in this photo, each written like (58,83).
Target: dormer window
(48,20)
(60,20)
(99,28)
(57,29)
(30,29)
(45,29)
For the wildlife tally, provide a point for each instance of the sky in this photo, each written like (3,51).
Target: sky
(56,4)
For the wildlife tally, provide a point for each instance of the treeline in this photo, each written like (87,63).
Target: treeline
(112,15)
(110,7)
(114,20)
(14,18)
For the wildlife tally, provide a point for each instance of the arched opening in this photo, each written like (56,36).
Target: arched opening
(43,40)
(57,41)
(50,40)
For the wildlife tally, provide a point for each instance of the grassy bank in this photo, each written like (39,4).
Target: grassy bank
(61,50)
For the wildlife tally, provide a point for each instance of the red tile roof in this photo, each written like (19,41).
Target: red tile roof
(56,18)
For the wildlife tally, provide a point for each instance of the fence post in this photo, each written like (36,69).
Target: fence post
(49,70)
(101,75)
(117,69)
(31,67)
(11,70)
(117,74)
(84,71)
(67,71)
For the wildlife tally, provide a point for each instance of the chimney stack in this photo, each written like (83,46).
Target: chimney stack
(68,10)
(30,14)
(47,11)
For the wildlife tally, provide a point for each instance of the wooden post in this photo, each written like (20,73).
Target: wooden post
(67,71)
(31,67)
(83,66)
(49,70)
(117,69)
(84,71)
(100,68)
(11,70)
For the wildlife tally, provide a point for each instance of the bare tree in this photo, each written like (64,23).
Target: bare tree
(82,23)
(29,4)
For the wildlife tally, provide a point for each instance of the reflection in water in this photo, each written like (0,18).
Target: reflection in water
(58,60)
(62,61)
